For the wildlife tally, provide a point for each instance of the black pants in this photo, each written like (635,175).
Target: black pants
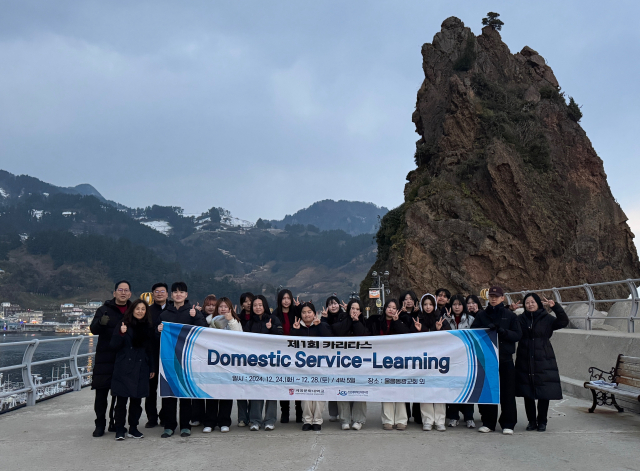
(169,410)
(285,407)
(453,411)
(135,411)
(100,405)
(198,409)
(543,410)
(213,412)
(509,415)
(415,412)
(151,401)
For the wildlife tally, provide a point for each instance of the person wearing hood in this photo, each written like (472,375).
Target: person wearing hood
(134,366)
(180,312)
(311,325)
(262,322)
(537,376)
(500,319)
(286,311)
(333,311)
(353,415)
(394,414)
(106,319)
(244,315)
(431,321)
(458,318)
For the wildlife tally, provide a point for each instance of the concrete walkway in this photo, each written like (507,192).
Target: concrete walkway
(56,435)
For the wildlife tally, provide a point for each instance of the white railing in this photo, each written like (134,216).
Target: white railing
(30,387)
(592,301)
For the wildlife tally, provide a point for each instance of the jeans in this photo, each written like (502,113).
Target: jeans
(135,411)
(509,415)
(352,412)
(270,412)
(100,405)
(543,410)
(169,408)
(243,410)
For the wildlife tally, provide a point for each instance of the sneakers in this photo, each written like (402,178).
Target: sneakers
(356,426)
(306,427)
(427,427)
(134,433)
(151,424)
(441,428)
(316,427)
(387,427)
(254,428)
(167,433)
(185,432)
(471,424)
(333,418)
(401,427)
(507,431)
(346,427)
(453,422)
(224,429)
(484,429)
(241,424)
(207,430)
(269,428)
(194,423)
(120,435)
(99,431)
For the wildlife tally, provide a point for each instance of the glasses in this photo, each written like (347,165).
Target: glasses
(122,290)
(160,291)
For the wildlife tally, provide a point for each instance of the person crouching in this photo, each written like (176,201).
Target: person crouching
(311,326)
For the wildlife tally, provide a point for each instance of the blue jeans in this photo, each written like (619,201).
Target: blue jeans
(270,412)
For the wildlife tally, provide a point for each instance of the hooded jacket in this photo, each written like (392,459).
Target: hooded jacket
(105,355)
(347,327)
(506,323)
(537,375)
(134,360)
(331,317)
(430,320)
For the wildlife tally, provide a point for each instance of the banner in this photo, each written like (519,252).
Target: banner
(454,366)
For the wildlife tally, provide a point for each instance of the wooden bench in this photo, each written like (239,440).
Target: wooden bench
(622,381)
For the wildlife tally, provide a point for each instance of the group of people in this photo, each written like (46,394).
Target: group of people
(129,332)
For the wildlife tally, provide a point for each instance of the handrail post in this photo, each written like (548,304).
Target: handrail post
(556,295)
(633,312)
(508,299)
(592,304)
(27,377)
(73,363)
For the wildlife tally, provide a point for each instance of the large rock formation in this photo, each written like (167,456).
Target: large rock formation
(508,189)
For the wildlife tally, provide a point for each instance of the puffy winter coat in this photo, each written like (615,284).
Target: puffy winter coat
(377,325)
(537,375)
(181,315)
(156,311)
(105,355)
(321,330)
(134,360)
(221,322)
(505,323)
(258,325)
(347,327)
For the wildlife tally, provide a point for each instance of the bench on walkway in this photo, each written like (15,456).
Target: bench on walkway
(622,381)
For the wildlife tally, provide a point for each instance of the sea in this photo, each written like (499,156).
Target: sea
(12,352)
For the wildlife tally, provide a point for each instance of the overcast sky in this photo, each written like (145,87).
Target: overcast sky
(265,107)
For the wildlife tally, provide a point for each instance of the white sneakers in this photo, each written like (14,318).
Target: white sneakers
(254,428)
(333,418)
(471,424)
(206,430)
(346,427)
(356,426)
(453,423)
(427,427)
(223,429)
(441,428)
(268,428)
(241,424)
(484,429)
(507,431)
(194,423)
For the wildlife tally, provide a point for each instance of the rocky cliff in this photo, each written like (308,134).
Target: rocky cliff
(508,189)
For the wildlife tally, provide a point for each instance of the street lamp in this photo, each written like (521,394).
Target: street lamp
(379,280)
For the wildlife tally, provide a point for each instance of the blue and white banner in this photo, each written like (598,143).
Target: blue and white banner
(457,366)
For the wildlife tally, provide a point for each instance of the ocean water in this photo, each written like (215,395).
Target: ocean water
(13,354)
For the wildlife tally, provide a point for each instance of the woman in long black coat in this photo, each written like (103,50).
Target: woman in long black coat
(537,376)
(134,366)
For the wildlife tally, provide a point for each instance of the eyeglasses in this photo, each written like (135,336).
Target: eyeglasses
(122,290)
(160,291)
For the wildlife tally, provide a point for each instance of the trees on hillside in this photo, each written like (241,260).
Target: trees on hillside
(492,20)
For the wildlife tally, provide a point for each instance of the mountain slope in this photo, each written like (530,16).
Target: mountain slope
(13,187)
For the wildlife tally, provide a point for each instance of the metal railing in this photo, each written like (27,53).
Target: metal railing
(30,387)
(591,301)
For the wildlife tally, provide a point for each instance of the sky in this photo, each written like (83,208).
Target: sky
(266,107)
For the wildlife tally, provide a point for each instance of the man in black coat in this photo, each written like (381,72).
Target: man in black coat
(107,317)
(180,312)
(497,317)
(160,292)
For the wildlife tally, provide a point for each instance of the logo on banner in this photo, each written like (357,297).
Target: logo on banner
(342,393)
(291,392)
(353,393)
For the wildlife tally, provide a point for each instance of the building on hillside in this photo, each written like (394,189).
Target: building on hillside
(67,307)
(10,310)
(31,317)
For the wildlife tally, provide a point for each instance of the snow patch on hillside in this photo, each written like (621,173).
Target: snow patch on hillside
(4,193)
(161,226)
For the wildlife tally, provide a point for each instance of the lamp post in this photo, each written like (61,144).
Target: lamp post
(379,281)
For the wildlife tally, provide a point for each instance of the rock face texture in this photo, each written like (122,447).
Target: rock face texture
(508,189)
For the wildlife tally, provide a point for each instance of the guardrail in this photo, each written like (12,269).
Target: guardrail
(30,388)
(591,301)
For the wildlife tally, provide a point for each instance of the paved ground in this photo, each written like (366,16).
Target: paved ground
(56,434)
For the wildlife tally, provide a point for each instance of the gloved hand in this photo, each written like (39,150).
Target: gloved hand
(104,320)
(492,327)
(501,332)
